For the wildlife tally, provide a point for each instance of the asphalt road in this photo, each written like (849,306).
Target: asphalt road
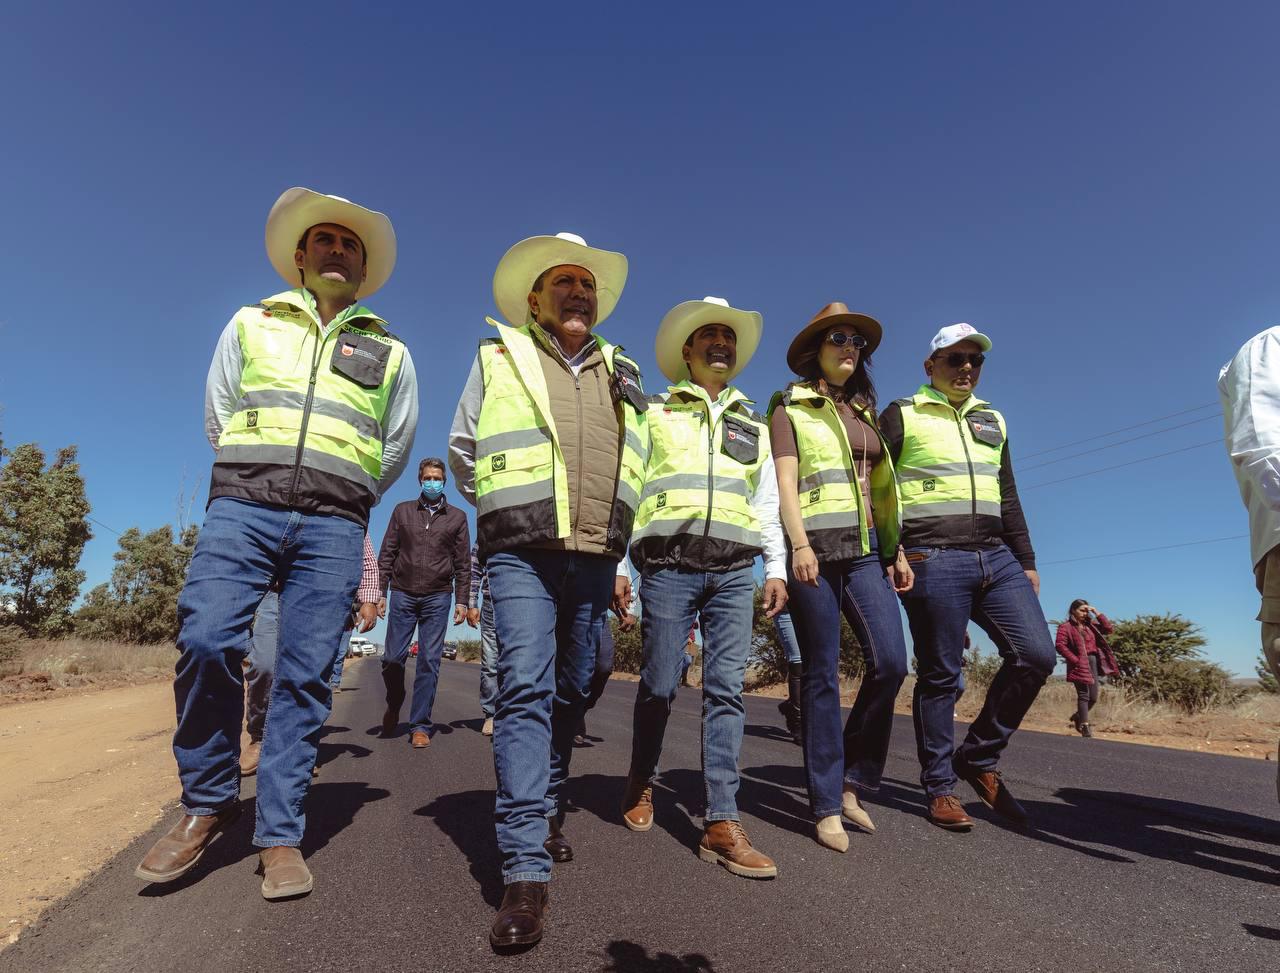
(1139,859)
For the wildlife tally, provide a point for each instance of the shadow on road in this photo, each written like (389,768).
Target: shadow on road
(1262,932)
(1174,831)
(766,731)
(331,807)
(466,817)
(628,957)
(472,724)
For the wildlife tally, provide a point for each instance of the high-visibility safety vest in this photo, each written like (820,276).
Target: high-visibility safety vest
(307,430)
(831,502)
(696,510)
(522,492)
(949,470)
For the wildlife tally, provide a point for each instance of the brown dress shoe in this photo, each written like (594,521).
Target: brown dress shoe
(947,812)
(519,919)
(637,805)
(177,852)
(249,758)
(420,739)
(557,844)
(284,874)
(992,792)
(727,843)
(390,721)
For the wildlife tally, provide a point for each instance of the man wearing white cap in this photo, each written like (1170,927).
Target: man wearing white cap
(709,509)
(311,404)
(967,541)
(549,442)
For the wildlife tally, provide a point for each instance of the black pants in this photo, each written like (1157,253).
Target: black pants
(1086,696)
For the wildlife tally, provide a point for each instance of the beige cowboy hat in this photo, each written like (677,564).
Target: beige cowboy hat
(684,319)
(831,315)
(299,209)
(521,265)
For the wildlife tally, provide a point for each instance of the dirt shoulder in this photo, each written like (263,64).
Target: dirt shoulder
(84,774)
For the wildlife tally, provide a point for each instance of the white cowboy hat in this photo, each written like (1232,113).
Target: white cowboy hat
(521,265)
(298,209)
(684,319)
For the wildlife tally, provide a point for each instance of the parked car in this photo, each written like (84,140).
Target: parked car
(450,650)
(413,649)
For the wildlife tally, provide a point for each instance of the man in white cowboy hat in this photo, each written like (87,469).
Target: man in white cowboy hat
(549,442)
(708,510)
(311,404)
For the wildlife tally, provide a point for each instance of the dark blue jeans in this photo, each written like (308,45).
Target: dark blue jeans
(262,663)
(672,599)
(857,754)
(989,587)
(548,607)
(242,547)
(488,660)
(604,664)
(429,615)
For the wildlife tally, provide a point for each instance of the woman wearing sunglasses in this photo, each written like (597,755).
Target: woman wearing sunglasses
(839,505)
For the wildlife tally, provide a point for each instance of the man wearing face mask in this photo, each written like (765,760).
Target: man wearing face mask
(426,559)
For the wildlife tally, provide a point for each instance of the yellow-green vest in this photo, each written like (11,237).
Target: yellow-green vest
(695,512)
(307,430)
(522,496)
(831,504)
(949,470)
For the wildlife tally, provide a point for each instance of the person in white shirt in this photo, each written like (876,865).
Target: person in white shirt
(1249,386)
(709,509)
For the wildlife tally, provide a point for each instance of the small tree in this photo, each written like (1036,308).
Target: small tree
(43,530)
(1267,682)
(1160,660)
(628,649)
(140,604)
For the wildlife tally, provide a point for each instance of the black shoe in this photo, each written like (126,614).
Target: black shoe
(1086,730)
(557,844)
(519,919)
(791,713)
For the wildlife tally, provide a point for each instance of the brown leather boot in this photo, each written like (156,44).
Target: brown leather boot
(284,874)
(946,811)
(726,843)
(520,917)
(420,739)
(249,758)
(177,852)
(991,791)
(557,845)
(637,805)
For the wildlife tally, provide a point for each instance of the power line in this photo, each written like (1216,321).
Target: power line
(1117,466)
(1115,432)
(1147,550)
(101,524)
(1122,442)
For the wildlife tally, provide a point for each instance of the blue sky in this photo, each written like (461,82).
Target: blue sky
(1093,185)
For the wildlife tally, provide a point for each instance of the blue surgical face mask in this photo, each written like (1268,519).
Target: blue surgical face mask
(432,489)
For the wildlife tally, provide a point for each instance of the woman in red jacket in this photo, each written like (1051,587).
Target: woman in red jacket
(1082,642)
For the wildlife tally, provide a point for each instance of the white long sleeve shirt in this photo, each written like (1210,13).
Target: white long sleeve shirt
(1249,386)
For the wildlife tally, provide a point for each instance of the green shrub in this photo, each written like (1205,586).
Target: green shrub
(1266,678)
(628,650)
(1160,661)
(10,643)
(980,670)
(468,650)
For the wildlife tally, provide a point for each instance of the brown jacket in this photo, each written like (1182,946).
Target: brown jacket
(590,435)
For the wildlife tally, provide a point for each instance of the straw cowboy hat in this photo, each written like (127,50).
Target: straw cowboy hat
(521,265)
(831,315)
(684,319)
(298,209)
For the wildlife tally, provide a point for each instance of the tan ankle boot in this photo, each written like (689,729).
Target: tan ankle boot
(727,844)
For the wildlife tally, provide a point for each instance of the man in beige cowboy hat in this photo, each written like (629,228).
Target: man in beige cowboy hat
(311,404)
(549,442)
(708,510)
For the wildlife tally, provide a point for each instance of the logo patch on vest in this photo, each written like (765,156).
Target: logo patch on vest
(251,418)
(662,500)
(929,486)
(499,462)
(348,351)
(814,494)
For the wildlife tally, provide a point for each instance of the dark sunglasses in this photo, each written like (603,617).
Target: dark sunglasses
(841,338)
(956,359)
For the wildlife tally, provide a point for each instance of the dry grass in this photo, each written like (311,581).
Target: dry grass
(41,666)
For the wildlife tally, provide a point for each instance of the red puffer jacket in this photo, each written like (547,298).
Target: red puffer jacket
(1073,645)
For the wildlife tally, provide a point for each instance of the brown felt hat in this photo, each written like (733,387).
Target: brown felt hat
(831,315)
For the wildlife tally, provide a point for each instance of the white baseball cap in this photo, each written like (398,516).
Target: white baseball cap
(955,333)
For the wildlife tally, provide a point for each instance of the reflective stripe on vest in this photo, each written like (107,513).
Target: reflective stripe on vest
(309,402)
(949,468)
(522,496)
(696,511)
(831,504)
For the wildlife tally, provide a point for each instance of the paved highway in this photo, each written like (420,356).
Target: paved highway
(1139,859)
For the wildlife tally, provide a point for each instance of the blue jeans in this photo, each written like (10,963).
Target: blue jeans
(343,645)
(786,629)
(242,547)
(262,663)
(857,754)
(989,587)
(672,599)
(604,664)
(488,659)
(548,609)
(429,615)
